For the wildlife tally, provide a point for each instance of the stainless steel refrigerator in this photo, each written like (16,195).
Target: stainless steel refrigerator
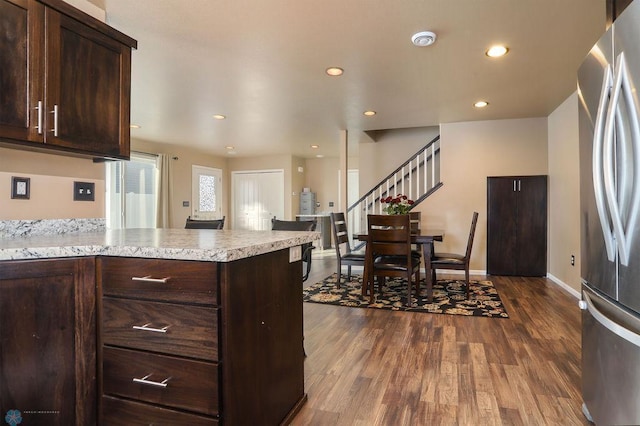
(609,131)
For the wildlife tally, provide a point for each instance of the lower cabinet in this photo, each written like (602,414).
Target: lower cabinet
(200,343)
(48,342)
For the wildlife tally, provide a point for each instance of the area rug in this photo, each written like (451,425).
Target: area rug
(448,297)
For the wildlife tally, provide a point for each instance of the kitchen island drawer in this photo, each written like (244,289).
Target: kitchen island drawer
(118,412)
(159,279)
(165,380)
(161,327)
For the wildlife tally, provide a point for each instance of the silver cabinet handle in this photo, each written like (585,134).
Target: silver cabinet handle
(144,381)
(514,185)
(612,326)
(39,125)
(148,279)
(55,120)
(147,328)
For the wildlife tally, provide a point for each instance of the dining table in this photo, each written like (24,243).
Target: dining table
(422,238)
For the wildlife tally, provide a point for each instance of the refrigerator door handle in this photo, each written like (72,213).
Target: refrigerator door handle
(612,326)
(600,168)
(617,116)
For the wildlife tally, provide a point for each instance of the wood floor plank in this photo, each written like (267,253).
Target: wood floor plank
(375,367)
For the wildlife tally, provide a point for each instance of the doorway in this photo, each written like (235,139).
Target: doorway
(206,193)
(258,196)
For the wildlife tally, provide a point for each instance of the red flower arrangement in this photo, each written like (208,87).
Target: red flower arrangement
(400,204)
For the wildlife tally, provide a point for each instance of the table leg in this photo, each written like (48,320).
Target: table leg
(427,253)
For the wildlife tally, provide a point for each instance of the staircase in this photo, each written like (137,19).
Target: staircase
(417,178)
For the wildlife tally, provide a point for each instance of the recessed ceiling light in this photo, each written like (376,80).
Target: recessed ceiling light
(369,113)
(334,71)
(134,126)
(219,116)
(423,38)
(481,104)
(497,51)
(319,156)
(315,146)
(229,147)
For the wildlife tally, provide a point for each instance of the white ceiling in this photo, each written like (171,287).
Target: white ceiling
(261,63)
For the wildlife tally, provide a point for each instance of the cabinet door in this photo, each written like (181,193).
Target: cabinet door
(531,254)
(88,88)
(21,72)
(47,341)
(501,226)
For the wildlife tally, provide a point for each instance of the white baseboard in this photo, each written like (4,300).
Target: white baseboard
(575,293)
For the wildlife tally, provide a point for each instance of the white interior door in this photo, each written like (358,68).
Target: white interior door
(257,196)
(206,193)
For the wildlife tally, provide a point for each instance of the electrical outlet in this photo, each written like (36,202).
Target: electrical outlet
(84,191)
(573,260)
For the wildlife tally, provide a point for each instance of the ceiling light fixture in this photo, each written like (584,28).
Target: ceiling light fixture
(219,116)
(315,146)
(134,126)
(229,147)
(334,71)
(497,51)
(423,38)
(481,104)
(369,113)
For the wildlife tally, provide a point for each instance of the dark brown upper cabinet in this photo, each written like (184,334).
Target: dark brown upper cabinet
(615,8)
(65,80)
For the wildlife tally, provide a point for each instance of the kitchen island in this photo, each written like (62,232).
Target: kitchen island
(142,326)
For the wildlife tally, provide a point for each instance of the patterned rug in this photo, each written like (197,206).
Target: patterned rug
(448,297)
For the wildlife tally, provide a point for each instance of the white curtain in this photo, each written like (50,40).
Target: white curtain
(163,216)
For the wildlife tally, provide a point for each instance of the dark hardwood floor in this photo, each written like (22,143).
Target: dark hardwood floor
(373,367)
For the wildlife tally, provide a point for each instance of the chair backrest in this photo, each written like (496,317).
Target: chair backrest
(204,224)
(293,225)
(415,217)
(340,233)
(389,235)
(472,232)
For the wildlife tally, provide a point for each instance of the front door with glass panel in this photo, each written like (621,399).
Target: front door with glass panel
(206,188)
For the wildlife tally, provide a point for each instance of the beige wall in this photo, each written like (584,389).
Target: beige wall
(470,152)
(51,186)
(322,177)
(564,193)
(181,175)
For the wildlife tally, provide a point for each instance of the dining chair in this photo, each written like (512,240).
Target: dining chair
(388,252)
(456,261)
(204,224)
(298,225)
(344,253)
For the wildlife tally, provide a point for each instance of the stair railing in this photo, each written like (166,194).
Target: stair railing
(416,178)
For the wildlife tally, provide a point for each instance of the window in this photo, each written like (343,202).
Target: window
(132,192)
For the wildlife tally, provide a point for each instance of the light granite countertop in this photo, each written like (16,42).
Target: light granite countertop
(180,244)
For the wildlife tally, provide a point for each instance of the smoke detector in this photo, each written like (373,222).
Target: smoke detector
(423,38)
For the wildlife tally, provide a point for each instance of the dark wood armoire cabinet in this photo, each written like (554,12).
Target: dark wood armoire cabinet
(517,225)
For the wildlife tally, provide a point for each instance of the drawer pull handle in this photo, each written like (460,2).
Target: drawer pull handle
(148,279)
(147,328)
(144,381)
